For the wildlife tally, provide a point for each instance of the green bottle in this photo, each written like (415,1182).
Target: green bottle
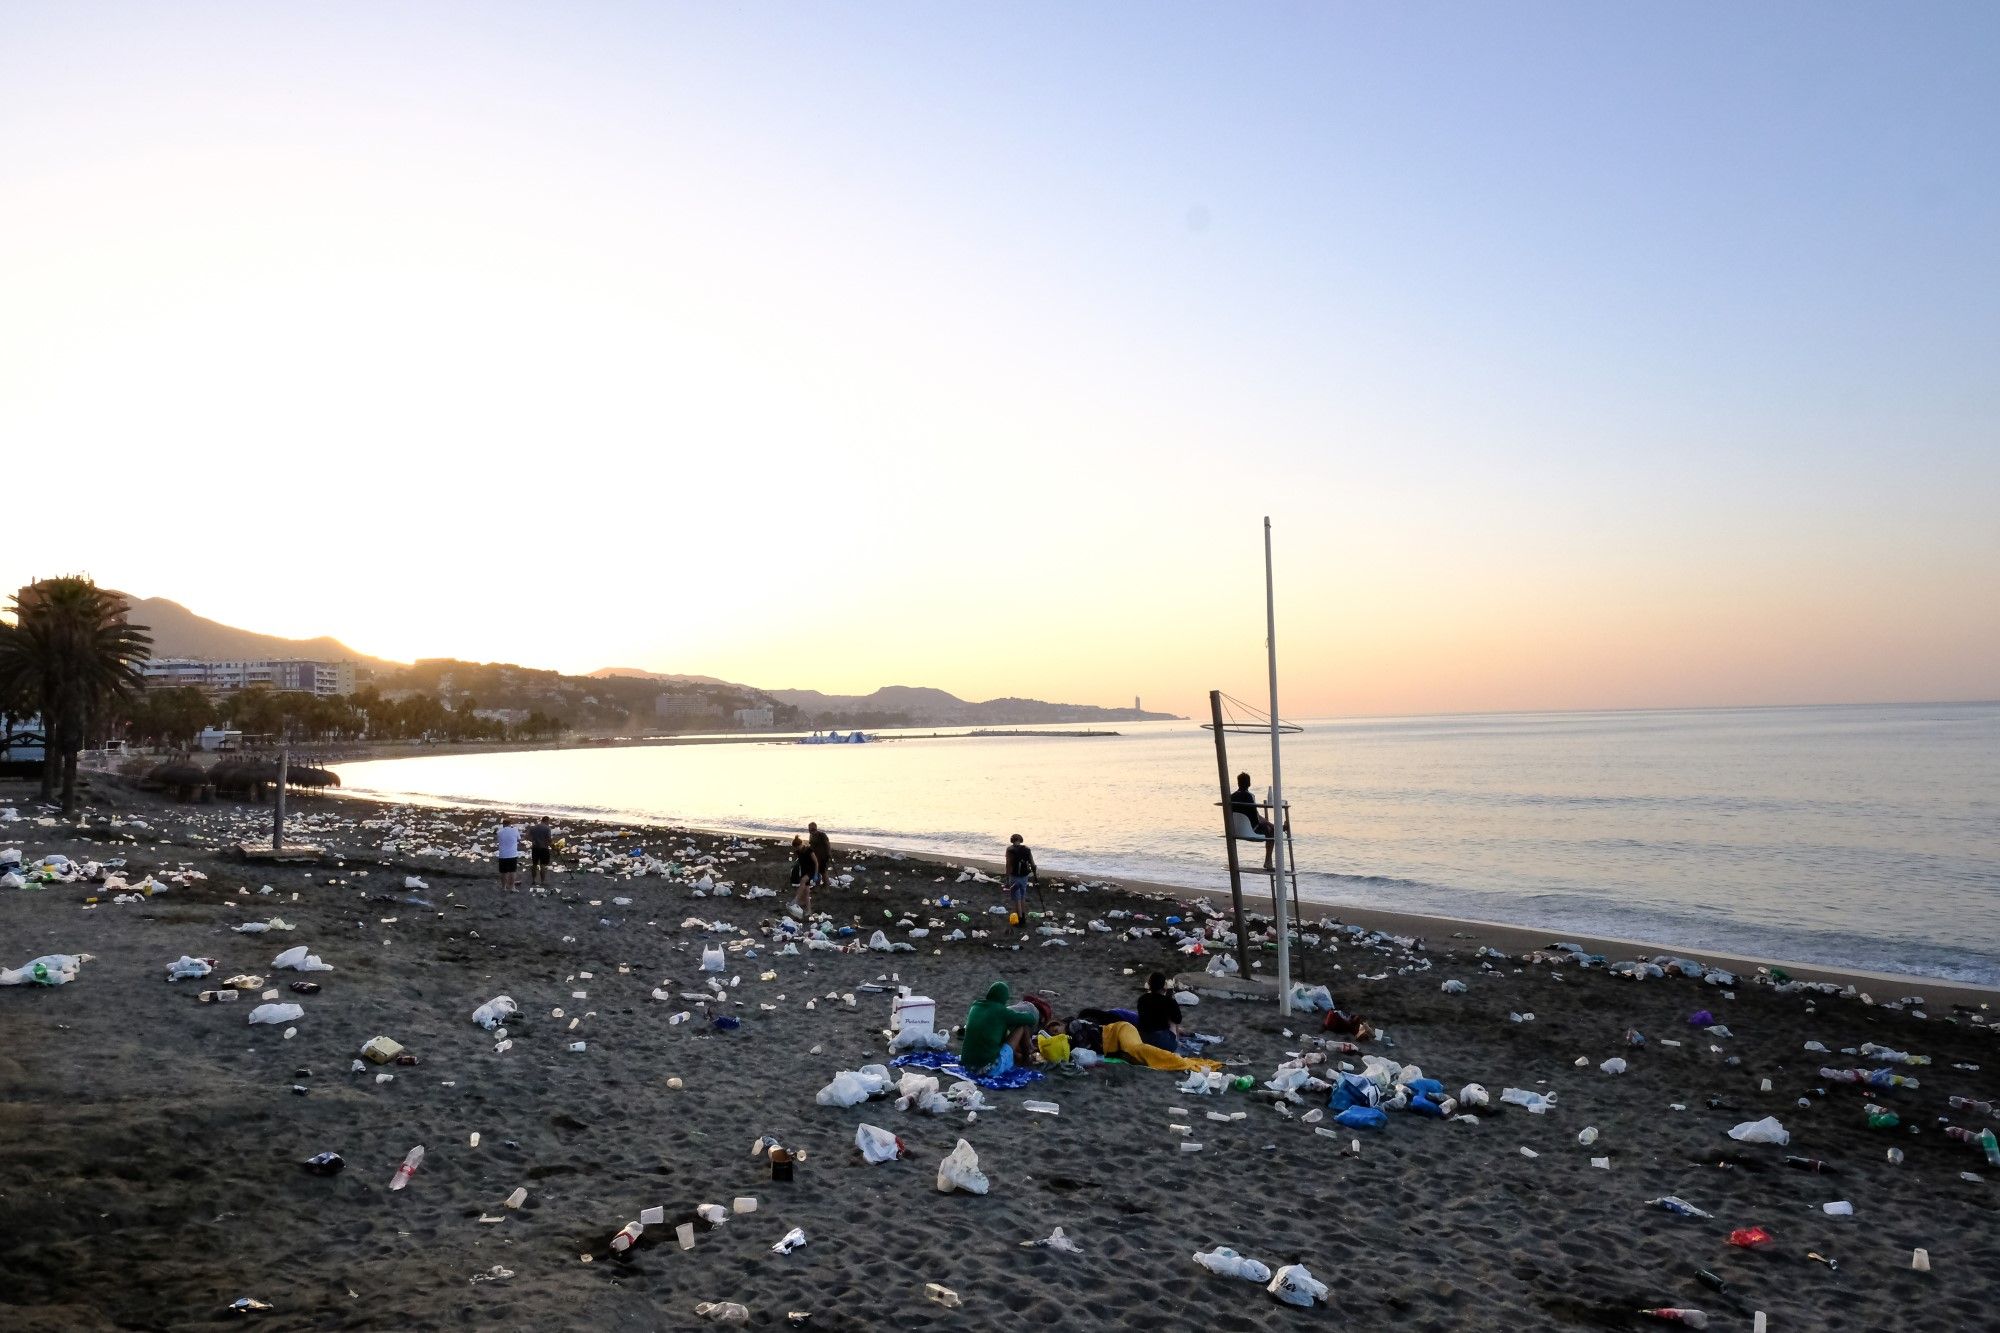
(1242,1083)
(1883,1120)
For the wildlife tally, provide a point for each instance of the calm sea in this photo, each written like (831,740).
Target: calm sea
(1860,836)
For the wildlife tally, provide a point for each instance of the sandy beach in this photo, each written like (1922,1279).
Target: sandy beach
(152,1144)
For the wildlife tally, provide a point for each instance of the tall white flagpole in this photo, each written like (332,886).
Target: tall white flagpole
(1278,821)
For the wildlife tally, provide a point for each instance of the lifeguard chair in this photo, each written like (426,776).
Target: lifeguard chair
(1227,715)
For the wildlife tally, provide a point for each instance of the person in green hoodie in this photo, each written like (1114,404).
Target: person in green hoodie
(996,1033)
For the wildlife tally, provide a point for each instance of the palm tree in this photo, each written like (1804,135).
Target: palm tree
(70,649)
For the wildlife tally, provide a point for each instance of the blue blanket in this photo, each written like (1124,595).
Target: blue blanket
(947,1063)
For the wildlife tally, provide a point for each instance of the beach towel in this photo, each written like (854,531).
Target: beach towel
(1122,1039)
(946,1062)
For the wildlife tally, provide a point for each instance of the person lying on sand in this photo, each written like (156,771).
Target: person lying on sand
(998,1033)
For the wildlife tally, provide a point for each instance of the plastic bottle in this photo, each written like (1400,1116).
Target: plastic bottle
(408,1168)
(1811,1164)
(943,1295)
(1968,1104)
(1881,1117)
(1242,1083)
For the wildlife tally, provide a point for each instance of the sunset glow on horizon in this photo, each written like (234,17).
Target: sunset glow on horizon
(1583,358)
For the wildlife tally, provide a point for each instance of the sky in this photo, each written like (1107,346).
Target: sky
(1582,356)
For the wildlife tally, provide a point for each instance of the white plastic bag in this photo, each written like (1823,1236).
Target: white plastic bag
(1537,1103)
(713,959)
(1295,1286)
(877,1144)
(846,1089)
(53,969)
(1767,1130)
(298,960)
(276,1013)
(495,1012)
(1311,999)
(1226,1262)
(960,1171)
(1473,1094)
(910,1039)
(186,968)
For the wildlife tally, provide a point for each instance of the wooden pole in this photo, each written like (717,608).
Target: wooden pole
(278,807)
(1229,835)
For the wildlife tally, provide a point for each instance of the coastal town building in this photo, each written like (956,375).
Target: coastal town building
(227,675)
(761,718)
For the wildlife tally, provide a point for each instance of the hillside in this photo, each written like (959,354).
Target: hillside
(179,632)
(613,698)
(922,706)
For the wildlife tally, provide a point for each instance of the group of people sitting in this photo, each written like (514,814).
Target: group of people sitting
(1001,1036)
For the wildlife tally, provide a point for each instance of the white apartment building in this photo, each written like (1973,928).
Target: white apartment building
(227,675)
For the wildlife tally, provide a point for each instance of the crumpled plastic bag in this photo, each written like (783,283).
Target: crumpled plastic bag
(1536,1102)
(968,1096)
(1293,1285)
(1055,1240)
(1311,999)
(495,1012)
(53,969)
(277,1013)
(877,1144)
(910,1039)
(960,1171)
(1767,1130)
(1474,1094)
(851,1087)
(1226,1262)
(298,960)
(186,968)
(920,1092)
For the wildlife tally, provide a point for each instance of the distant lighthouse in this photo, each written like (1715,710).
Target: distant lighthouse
(1135,705)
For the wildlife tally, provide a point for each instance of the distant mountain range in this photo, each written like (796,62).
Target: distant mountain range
(179,632)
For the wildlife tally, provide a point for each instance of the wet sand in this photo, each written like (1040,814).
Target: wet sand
(151,1144)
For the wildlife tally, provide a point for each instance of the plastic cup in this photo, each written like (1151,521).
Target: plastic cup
(685,1234)
(743,1204)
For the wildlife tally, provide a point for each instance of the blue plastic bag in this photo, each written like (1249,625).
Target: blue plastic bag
(1361,1117)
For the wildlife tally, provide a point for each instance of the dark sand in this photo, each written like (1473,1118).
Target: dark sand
(149,1144)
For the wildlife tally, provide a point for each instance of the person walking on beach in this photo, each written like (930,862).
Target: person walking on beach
(507,845)
(1020,870)
(541,851)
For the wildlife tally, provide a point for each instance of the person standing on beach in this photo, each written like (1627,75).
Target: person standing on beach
(822,850)
(1020,870)
(803,873)
(541,851)
(507,845)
